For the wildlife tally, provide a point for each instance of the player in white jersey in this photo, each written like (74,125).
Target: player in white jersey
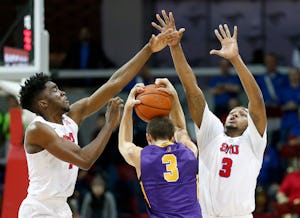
(230,157)
(52,152)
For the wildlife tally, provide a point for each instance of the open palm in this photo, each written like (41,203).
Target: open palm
(168,23)
(229,44)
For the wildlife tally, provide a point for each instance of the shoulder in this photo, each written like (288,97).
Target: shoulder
(36,127)
(148,150)
(70,121)
(149,147)
(38,132)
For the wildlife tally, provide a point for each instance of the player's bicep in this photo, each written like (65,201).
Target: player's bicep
(76,112)
(89,105)
(258,141)
(59,147)
(258,115)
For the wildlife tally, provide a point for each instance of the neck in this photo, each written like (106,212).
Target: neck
(233,132)
(162,142)
(54,118)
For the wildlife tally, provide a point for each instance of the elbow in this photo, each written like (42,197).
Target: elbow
(121,149)
(85,165)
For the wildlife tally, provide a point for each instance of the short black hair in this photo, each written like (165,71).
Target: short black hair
(32,87)
(161,128)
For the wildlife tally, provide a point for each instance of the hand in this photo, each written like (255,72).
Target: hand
(169,23)
(166,86)
(113,111)
(159,42)
(229,48)
(131,101)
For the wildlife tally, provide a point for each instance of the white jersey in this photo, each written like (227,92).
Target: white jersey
(228,168)
(51,179)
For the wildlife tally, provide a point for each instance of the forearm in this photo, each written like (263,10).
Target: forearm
(94,149)
(249,84)
(129,70)
(114,85)
(127,148)
(195,97)
(182,67)
(177,114)
(125,129)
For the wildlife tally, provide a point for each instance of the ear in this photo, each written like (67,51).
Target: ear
(149,138)
(43,104)
(172,139)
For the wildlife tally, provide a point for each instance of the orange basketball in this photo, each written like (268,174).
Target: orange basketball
(154,103)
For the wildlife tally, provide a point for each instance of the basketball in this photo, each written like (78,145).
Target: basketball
(154,103)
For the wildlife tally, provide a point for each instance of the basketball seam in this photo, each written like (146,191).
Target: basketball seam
(158,93)
(166,109)
(142,114)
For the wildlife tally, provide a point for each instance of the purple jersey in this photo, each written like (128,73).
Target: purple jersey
(168,180)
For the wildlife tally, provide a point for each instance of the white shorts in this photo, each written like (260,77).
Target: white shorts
(245,216)
(35,208)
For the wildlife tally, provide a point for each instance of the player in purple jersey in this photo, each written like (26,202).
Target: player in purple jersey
(167,167)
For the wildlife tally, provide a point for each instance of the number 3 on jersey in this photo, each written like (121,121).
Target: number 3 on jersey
(172,173)
(226,167)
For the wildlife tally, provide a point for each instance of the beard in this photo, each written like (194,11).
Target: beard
(231,128)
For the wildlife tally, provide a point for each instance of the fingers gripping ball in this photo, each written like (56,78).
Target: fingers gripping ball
(154,103)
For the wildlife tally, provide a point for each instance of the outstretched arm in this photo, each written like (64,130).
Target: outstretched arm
(127,148)
(69,151)
(195,97)
(177,116)
(87,106)
(230,51)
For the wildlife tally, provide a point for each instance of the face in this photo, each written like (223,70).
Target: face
(237,119)
(55,98)
(98,189)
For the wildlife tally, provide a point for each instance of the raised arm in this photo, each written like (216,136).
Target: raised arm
(230,51)
(195,97)
(177,116)
(87,106)
(69,151)
(127,148)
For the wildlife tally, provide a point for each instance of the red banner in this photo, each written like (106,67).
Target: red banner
(16,176)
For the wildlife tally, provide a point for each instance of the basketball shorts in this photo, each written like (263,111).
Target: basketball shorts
(36,208)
